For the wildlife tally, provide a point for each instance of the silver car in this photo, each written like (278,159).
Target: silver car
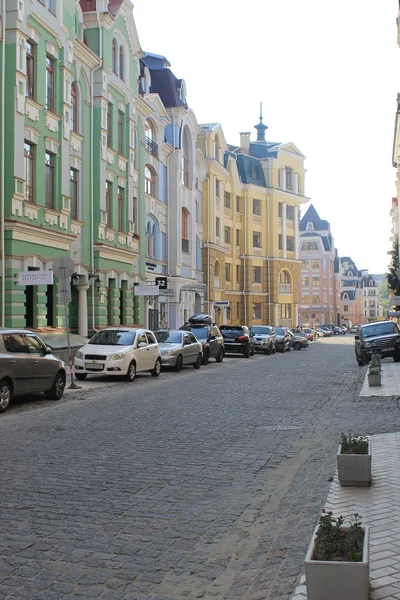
(179,348)
(27,366)
(299,340)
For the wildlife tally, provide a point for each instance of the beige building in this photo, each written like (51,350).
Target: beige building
(251,205)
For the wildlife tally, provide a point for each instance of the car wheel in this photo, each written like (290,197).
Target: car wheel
(131,372)
(206,357)
(58,388)
(363,360)
(297,346)
(220,356)
(273,349)
(246,353)
(179,363)
(157,368)
(197,364)
(252,352)
(5,395)
(80,376)
(288,348)
(396,358)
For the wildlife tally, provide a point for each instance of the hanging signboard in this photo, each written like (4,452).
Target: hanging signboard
(146,290)
(35,278)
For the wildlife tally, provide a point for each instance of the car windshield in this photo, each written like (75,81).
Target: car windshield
(200,332)
(258,330)
(279,330)
(379,329)
(168,337)
(231,328)
(113,337)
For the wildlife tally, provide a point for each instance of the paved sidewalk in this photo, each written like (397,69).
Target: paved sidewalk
(379,507)
(390,376)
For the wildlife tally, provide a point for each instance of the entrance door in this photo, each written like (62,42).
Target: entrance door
(153,319)
(30,300)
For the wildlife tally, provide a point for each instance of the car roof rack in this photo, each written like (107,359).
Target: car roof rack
(201,319)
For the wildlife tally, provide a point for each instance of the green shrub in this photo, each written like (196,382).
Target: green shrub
(354,444)
(334,543)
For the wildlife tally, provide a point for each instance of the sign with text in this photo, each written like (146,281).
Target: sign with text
(222,303)
(162,282)
(146,290)
(395,301)
(35,278)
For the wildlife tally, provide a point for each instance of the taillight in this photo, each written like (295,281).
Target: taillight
(243,338)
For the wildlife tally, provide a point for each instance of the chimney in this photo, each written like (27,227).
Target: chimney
(245,141)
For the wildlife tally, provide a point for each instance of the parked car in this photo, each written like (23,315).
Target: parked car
(283,339)
(299,339)
(179,348)
(327,330)
(298,331)
(340,330)
(382,337)
(121,351)
(27,366)
(309,333)
(320,332)
(264,338)
(353,329)
(237,340)
(208,334)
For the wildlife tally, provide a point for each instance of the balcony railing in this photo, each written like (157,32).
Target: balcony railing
(285,288)
(185,245)
(151,146)
(216,282)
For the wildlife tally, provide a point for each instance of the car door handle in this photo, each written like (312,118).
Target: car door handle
(34,362)
(12,362)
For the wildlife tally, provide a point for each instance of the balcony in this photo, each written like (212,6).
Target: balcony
(151,146)
(185,245)
(285,288)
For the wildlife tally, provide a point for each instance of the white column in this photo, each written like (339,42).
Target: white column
(275,313)
(284,229)
(296,183)
(82,310)
(295,319)
(283,179)
(296,232)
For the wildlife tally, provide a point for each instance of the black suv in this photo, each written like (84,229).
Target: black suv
(238,340)
(209,335)
(382,337)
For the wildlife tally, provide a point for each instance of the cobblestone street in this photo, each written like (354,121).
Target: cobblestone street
(202,484)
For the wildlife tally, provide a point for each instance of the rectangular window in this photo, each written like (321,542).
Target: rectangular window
(218,188)
(239,204)
(227,235)
(120,208)
(256,207)
(290,243)
(49,179)
(308,246)
(289,178)
(50,4)
(73,178)
(290,213)
(346,308)
(134,213)
(315,281)
(315,299)
(185,172)
(285,311)
(30,70)
(120,133)
(217,227)
(256,274)
(109,125)
(280,242)
(305,281)
(227,200)
(50,76)
(29,168)
(315,264)
(304,264)
(237,237)
(256,239)
(108,202)
(227,272)
(237,273)
(257,311)
(280,210)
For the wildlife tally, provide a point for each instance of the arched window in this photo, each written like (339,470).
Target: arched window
(198,254)
(185,230)
(148,240)
(285,283)
(152,238)
(284,277)
(114,56)
(154,241)
(217,274)
(186,162)
(149,180)
(149,139)
(74,124)
(121,63)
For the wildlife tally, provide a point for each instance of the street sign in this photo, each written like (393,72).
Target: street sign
(313,316)
(393,313)
(35,278)
(395,301)
(221,303)
(162,282)
(63,267)
(146,290)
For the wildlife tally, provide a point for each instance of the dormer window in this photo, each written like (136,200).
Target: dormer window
(182,91)
(310,227)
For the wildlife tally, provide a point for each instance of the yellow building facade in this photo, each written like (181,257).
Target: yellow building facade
(251,200)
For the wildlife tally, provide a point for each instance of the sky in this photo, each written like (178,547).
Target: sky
(327,74)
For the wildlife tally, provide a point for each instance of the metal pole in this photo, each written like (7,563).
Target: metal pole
(72,385)
(2,151)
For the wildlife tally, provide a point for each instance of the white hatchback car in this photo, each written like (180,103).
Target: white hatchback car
(121,351)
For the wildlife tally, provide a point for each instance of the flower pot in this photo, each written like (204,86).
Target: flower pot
(354,469)
(374,379)
(337,580)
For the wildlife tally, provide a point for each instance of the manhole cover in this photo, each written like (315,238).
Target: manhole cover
(278,427)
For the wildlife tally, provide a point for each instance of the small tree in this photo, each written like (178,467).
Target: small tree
(393,277)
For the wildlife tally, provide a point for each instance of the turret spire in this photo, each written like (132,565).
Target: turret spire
(261,128)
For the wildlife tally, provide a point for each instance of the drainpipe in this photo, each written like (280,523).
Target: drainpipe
(208,244)
(269,243)
(244,258)
(92,166)
(2,146)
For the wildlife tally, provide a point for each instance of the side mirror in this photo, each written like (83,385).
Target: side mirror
(142,345)
(356,337)
(48,350)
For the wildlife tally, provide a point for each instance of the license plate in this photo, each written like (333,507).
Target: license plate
(94,366)
(387,349)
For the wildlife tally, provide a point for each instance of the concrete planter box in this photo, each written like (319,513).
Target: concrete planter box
(374,379)
(335,580)
(354,469)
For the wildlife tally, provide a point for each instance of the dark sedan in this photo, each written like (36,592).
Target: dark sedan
(237,340)
(283,339)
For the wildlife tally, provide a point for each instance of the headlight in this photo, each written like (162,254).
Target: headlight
(79,354)
(118,356)
(167,352)
(367,344)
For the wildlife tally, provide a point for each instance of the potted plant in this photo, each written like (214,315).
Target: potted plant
(337,561)
(374,370)
(354,461)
